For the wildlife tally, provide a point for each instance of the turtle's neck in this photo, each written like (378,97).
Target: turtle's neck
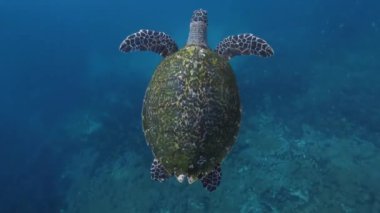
(197,34)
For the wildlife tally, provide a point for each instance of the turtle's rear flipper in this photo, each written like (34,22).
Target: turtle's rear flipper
(158,172)
(212,179)
(149,40)
(243,44)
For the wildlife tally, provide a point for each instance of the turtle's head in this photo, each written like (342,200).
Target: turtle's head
(199,15)
(198,29)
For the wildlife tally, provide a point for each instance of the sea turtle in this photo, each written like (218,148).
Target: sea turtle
(191,109)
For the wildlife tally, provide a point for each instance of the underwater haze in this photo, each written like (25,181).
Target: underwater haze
(71,139)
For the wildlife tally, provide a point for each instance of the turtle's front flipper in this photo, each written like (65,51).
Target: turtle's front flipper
(212,179)
(158,172)
(149,40)
(243,44)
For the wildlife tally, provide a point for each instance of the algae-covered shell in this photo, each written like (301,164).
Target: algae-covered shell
(191,111)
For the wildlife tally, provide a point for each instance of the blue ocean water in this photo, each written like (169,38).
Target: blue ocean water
(70,107)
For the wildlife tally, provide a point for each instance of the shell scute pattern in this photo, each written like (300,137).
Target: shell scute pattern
(191,111)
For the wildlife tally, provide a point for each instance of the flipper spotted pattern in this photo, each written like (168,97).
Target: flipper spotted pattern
(158,172)
(149,40)
(243,44)
(212,179)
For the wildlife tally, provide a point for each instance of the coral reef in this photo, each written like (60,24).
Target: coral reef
(267,171)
